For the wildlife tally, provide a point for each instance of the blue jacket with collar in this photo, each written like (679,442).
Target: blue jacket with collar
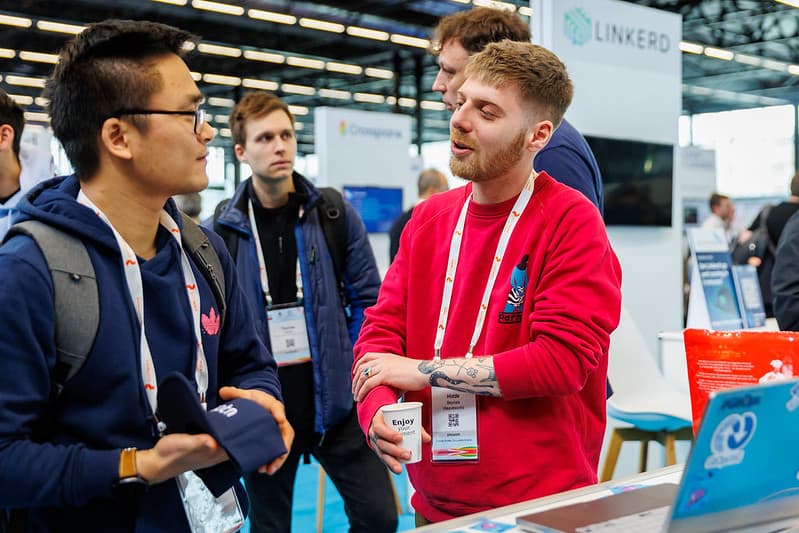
(333,325)
(60,458)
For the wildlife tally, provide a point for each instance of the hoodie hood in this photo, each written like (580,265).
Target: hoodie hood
(54,202)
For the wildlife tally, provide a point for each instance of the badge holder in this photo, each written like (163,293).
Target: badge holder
(205,513)
(288,334)
(454,426)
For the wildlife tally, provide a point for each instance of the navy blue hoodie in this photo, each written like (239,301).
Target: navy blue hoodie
(61,460)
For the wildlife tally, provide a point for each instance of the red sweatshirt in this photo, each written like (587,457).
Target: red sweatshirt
(548,331)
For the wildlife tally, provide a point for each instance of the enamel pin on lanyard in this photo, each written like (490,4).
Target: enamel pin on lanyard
(454,412)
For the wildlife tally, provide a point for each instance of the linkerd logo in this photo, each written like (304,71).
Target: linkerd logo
(577,26)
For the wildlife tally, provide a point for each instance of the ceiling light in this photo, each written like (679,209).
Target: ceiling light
(299,126)
(265,85)
(218,50)
(188,46)
(222,118)
(7,53)
(298,89)
(771,64)
(691,48)
(391,100)
(20,22)
(433,106)
(407,102)
(222,79)
(323,25)
(305,62)
(494,4)
(271,16)
(39,57)
(407,40)
(369,98)
(462,1)
(42,101)
(525,11)
(173,2)
(792,3)
(267,57)
(719,53)
(196,76)
(221,102)
(344,68)
(793,69)
(298,110)
(225,132)
(378,73)
(21,99)
(217,7)
(36,117)
(59,27)
(367,33)
(25,81)
(748,60)
(335,93)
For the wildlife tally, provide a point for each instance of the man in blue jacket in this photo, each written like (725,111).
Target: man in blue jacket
(273,227)
(12,121)
(125,107)
(567,157)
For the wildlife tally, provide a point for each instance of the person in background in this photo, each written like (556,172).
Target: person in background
(191,204)
(429,183)
(12,121)
(497,311)
(127,111)
(722,213)
(567,157)
(273,226)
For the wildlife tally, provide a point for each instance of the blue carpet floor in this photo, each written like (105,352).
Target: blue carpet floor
(303,517)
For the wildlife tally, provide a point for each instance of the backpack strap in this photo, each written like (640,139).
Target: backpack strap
(334,225)
(75,295)
(196,242)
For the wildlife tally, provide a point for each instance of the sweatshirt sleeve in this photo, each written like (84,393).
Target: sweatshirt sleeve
(36,474)
(576,305)
(244,359)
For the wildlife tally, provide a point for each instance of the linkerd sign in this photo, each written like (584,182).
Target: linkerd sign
(581,28)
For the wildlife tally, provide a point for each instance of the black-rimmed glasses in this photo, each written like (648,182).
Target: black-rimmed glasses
(199,115)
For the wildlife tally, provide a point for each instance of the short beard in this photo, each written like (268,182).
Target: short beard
(479,168)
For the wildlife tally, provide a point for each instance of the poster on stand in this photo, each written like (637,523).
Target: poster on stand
(750,299)
(713,302)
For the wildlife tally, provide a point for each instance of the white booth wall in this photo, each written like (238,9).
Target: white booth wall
(625,63)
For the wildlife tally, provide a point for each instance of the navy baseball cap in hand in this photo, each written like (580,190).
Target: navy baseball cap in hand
(246,431)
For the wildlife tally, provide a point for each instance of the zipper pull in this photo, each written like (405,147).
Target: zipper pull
(280,244)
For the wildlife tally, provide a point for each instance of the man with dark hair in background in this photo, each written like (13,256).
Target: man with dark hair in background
(92,458)
(274,227)
(12,121)
(567,157)
(429,183)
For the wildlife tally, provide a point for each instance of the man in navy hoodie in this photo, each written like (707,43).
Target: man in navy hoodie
(125,108)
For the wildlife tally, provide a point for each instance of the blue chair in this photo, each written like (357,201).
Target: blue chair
(642,397)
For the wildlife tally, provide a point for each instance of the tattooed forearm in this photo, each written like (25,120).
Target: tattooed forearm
(474,375)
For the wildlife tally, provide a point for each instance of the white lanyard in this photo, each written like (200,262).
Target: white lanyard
(136,291)
(262,265)
(452,266)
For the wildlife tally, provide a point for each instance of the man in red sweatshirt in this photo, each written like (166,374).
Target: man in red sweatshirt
(496,313)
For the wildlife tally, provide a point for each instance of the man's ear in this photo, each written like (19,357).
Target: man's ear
(240,155)
(7,137)
(115,138)
(540,133)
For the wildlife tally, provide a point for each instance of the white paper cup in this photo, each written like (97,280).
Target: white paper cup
(406,418)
